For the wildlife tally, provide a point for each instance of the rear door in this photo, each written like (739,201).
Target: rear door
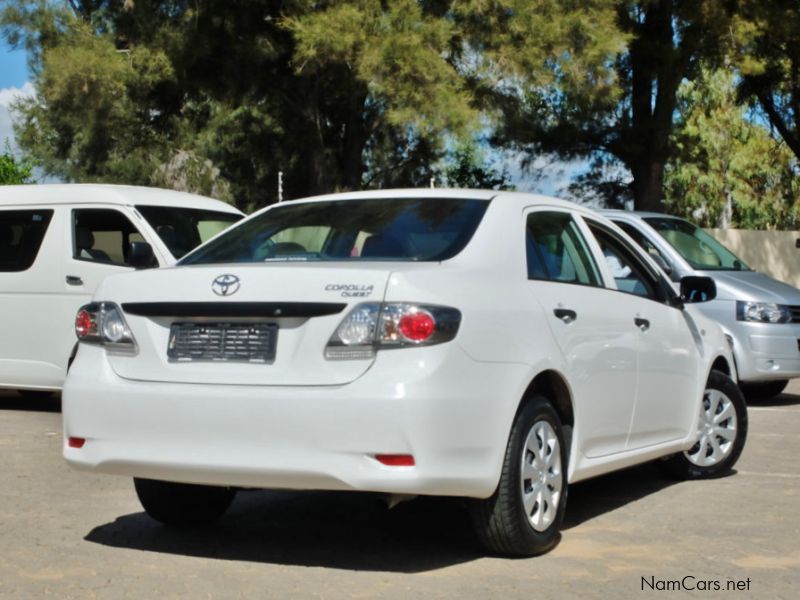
(597,337)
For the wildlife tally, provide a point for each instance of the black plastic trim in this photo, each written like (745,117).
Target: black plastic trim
(233,309)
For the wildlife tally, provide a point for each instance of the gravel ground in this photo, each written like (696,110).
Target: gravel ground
(631,534)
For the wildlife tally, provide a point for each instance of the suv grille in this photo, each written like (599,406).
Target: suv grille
(795,313)
(244,342)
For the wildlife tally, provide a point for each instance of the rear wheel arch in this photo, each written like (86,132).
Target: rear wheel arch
(552,385)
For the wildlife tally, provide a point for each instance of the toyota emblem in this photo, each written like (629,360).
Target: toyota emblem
(225,285)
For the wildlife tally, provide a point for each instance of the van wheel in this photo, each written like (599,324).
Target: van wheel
(183,504)
(764,390)
(523,516)
(720,436)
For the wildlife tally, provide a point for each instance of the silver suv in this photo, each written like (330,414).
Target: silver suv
(759,315)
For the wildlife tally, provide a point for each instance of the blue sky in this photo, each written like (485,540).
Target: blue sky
(13,84)
(13,70)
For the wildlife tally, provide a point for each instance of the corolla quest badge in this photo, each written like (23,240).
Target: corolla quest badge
(225,285)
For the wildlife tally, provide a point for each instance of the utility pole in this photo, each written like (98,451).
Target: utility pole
(280,186)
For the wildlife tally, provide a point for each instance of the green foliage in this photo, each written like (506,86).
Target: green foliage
(727,170)
(12,170)
(467,166)
(767,45)
(337,95)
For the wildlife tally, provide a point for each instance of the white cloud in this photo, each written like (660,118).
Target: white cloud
(7,97)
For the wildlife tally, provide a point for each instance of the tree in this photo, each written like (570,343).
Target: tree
(243,88)
(12,170)
(622,113)
(726,169)
(466,166)
(767,38)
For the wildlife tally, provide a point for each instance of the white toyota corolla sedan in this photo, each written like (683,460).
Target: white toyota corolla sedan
(489,345)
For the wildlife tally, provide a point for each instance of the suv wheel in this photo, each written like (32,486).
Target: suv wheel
(183,504)
(721,432)
(523,516)
(763,391)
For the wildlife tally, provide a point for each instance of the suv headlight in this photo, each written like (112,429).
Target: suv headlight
(763,312)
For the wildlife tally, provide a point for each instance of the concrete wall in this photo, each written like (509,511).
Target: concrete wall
(771,252)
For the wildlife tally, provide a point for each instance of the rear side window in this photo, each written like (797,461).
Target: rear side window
(375,229)
(21,235)
(556,250)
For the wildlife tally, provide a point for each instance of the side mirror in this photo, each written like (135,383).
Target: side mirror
(140,255)
(698,289)
(663,264)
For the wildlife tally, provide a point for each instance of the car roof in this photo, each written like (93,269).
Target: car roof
(522,198)
(610,213)
(93,193)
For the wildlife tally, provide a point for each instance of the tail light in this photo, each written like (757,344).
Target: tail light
(102,323)
(372,326)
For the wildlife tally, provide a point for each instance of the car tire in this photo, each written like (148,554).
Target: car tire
(764,390)
(524,515)
(183,504)
(721,433)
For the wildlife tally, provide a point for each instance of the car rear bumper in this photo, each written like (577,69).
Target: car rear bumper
(450,413)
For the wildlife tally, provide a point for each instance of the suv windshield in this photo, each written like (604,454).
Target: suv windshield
(407,229)
(698,248)
(183,229)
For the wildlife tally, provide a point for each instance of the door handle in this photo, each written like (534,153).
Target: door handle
(74,280)
(642,324)
(565,314)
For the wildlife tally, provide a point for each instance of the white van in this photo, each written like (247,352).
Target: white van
(57,242)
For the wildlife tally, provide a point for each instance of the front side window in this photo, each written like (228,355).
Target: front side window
(556,250)
(697,248)
(21,235)
(628,270)
(183,229)
(103,236)
(376,229)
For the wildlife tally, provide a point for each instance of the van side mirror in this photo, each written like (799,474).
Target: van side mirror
(698,289)
(140,255)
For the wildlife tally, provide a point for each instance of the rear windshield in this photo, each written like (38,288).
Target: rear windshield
(183,229)
(409,229)
(697,247)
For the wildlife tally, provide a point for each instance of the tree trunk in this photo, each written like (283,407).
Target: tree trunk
(354,141)
(657,67)
(648,183)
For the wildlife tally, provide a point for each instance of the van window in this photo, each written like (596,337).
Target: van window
(102,235)
(21,235)
(183,229)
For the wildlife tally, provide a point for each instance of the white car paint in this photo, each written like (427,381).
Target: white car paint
(38,305)
(306,422)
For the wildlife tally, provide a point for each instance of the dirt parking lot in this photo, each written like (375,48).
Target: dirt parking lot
(631,534)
